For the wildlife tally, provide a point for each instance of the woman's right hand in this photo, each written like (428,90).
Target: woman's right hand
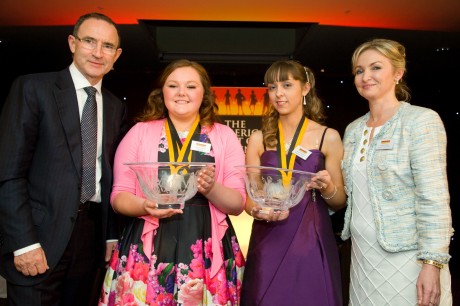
(152,209)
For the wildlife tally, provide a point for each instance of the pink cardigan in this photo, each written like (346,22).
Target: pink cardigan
(140,145)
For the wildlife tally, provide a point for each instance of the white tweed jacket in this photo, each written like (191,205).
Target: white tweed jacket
(407,182)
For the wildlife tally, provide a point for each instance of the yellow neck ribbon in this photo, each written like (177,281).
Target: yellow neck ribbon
(176,150)
(287,159)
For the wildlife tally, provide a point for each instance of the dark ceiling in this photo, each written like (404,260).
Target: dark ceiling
(323,48)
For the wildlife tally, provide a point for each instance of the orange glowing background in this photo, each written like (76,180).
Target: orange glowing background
(241,101)
(418,15)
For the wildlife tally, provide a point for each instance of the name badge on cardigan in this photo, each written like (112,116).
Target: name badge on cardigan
(201,146)
(385,144)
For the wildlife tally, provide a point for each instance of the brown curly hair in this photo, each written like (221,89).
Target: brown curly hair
(155,108)
(281,71)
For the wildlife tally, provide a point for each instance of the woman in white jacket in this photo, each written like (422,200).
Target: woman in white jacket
(394,167)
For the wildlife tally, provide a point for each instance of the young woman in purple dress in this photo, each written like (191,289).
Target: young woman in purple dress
(293,256)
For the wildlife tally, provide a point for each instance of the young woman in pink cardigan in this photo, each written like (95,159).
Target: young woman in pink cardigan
(184,256)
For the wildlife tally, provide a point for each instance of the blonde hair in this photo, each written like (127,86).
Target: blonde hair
(156,109)
(392,50)
(280,71)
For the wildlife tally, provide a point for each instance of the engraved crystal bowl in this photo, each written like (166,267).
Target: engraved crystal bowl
(169,184)
(275,188)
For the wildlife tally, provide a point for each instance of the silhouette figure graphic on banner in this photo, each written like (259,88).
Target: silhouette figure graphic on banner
(227,101)
(266,99)
(253,100)
(239,97)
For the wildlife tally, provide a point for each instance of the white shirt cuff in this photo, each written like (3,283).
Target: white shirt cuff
(27,249)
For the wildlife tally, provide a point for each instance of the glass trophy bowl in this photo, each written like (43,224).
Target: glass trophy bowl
(168,184)
(273,188)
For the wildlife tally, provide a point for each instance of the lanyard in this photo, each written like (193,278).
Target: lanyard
(176,149)
(286,159)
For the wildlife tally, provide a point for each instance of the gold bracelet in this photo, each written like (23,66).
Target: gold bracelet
(433,263)
(332,195)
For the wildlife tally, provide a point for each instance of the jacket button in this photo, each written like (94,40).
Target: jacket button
(387,195)
(382,165)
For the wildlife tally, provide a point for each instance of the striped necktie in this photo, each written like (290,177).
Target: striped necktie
(89,145)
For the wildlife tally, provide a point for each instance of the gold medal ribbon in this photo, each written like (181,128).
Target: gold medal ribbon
(287,159)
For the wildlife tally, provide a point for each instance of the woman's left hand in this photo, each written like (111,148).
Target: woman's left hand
(321,181)
(206,179)
(428,286)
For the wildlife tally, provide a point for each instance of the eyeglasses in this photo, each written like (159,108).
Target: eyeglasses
(91,44)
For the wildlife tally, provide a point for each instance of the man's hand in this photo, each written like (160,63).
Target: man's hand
(31,263)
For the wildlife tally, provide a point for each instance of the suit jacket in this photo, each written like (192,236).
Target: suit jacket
(40,167)
(407,182)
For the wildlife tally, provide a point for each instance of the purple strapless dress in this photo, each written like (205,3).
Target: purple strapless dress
(295,261)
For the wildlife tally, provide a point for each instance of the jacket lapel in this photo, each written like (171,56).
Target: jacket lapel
(108,121)
(67,105)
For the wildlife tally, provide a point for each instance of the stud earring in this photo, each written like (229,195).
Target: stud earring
(304,100)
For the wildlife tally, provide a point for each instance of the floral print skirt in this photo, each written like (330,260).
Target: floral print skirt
(178,272)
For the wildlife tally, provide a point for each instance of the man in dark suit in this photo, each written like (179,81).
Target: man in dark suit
(52,240)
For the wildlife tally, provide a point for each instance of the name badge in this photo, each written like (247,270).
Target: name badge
(385,144)
(301,152)
(201,146)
